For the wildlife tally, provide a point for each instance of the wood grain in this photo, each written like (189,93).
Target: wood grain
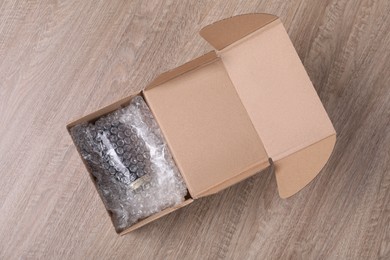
(60,60)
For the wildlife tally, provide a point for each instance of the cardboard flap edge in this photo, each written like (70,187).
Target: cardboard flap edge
(102,111)
(250,171)
(222,33)
(297,170)
(190,65)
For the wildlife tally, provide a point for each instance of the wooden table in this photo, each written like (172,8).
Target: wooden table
(60,60)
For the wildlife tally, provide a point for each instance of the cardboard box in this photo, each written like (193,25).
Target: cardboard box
(232,112)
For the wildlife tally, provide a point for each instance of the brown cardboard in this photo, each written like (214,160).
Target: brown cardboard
(295,171)
(225,32)
(209,133)
(193,64)
(229,113)
(277,94)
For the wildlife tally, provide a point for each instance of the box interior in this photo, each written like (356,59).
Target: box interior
(93,117)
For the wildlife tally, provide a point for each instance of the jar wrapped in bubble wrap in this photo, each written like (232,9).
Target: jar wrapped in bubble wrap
(131,164)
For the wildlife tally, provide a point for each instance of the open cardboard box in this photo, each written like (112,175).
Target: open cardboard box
(232,112)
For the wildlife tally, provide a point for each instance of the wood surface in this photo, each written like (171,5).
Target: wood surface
(60,60)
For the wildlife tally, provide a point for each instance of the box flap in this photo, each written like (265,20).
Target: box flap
(225,32)
(210,134)
(296,170)
(168,75)
(278,96)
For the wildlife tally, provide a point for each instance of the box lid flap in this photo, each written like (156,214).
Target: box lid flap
(225,32)
(208,130)
(277,94)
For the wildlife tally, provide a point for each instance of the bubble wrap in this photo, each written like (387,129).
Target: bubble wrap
(131,163)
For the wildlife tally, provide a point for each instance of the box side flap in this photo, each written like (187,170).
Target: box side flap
(193,64)
(206,127)
(277,93)
(236,179)
(155,216)
(295,171)
(225,32)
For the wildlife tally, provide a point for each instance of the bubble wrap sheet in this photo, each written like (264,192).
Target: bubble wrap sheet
(131,163)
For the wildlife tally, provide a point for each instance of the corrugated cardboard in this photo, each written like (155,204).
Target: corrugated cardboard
(277,94)
(208,130)
(229,113)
